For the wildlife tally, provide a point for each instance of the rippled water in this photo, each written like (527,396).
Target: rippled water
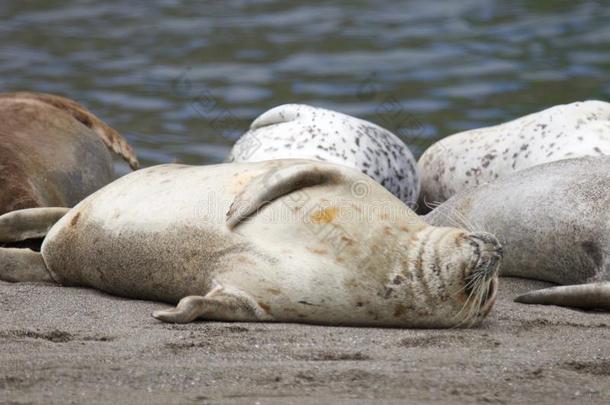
(182,79)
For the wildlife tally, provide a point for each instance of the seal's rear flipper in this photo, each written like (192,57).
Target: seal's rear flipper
(586,296)
(22,265)
(220,304)
(276,183)
(30,223)
(279,115)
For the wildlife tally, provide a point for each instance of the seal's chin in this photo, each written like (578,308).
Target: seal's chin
(490,299)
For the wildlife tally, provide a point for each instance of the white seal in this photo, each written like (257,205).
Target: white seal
(305,132)
(474,157)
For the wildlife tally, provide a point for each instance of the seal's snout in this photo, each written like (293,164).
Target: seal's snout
(486,242)
(486,259)
(488,251)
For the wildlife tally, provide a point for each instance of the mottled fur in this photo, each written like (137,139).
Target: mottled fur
(305,132)
(474,157)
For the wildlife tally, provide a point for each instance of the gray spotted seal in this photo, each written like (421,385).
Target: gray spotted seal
(554,224)
(53,152)
(474,157)
(306,132)
(281,240)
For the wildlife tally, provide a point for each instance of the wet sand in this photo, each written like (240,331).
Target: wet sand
(72,345)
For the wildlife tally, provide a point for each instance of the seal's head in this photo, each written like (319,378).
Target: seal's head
(455,279)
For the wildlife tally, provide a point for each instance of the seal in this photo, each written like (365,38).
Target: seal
(306,132)
(53,152)
(474,157)
(281,240)
(554,224)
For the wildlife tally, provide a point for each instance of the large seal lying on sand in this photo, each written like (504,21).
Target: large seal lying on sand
(53,152)
(553,221)
(474,157)
(281,241)
(305,132)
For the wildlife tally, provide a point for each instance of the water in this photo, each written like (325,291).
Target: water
(183,79)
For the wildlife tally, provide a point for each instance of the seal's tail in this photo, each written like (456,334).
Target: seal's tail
(111,138)
(17,261)
(586,296)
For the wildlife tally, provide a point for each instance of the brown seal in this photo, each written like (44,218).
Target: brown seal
(54,152)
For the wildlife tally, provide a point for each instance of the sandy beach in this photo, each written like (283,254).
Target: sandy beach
(73,345)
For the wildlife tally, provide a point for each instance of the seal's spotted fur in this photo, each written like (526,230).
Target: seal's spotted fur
(305,132)
(478,156)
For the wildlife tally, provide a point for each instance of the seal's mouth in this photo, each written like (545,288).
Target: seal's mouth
(482,282)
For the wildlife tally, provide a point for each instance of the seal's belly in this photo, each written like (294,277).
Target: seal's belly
(163,264)
(157,234)
(161,234)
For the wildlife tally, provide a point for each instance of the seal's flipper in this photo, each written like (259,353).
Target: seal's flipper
(277,115)
(276,183)
(220,304)
(29,223)
(22,265)
(111,138)
(188,309)
(586,296)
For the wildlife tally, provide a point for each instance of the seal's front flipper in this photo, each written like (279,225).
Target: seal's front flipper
(188,309)
(277,183)
(220,304)
(586,296)
(30,223)
(22,265)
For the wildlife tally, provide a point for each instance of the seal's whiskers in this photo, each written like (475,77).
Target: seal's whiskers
(480,289)
(452,221)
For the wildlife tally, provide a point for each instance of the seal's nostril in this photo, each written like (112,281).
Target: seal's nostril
(487,242)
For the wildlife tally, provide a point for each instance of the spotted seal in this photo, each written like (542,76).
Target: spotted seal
(53,152)
(306,132)
(474,157)
(279,241)
(554,224)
